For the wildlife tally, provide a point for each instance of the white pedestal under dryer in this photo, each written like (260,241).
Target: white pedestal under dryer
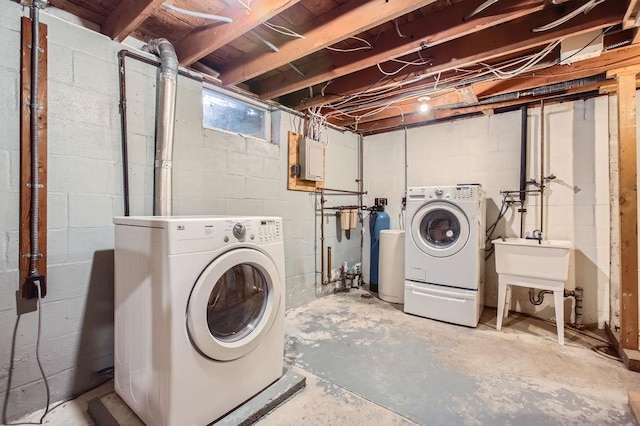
(199,314)
(444,253)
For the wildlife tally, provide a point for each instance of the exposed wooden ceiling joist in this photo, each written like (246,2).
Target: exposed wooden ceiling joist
(127,16)
(509,38)
(419,34)
(410,106)
(631,14)
(619,58)
(207,40)
(349,19)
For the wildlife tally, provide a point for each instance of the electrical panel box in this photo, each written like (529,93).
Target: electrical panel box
(311,158)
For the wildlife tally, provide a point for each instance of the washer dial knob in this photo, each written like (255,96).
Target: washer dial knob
(439,192)
(239,231)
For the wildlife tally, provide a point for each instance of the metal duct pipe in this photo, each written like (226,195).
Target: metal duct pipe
(165,123)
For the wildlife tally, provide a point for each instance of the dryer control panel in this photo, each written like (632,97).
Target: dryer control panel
(257,230)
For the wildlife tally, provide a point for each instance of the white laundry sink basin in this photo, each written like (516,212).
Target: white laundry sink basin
(545,260)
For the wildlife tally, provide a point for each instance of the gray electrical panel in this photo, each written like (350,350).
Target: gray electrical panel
(311,157)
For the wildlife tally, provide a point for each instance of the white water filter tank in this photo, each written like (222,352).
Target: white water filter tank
(391,274)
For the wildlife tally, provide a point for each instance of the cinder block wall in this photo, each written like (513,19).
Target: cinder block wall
(215,173)
(486,150)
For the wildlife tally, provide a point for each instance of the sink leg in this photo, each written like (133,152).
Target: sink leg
(502,293)
(558,300)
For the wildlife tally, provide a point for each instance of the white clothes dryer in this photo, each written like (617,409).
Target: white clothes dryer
(199,314)
(444,253)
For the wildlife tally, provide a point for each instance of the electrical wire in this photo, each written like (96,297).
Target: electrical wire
(367,46)
(395,23)
(584,8)
(197,14)
(387,86)
(602,33)
(38,361)
(246,5)
(282,30)
(505,75)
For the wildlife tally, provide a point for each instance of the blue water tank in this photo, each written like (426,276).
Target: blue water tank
(378,221)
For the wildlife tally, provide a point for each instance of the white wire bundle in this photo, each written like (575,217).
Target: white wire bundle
(282,30)
(367,46)
(505,75)
(197,14)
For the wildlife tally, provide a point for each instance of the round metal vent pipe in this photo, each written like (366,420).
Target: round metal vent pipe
(165,124)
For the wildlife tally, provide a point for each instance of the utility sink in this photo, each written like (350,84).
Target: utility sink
(532,263)
(545,260)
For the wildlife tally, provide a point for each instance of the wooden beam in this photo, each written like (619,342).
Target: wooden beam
(487,109)
(25,154)
(127,16)
(628,200)
(407,107)
(509,38)
(202,42)
(421,33)
(629,19)
(621,57)
(350,18)
(630,357)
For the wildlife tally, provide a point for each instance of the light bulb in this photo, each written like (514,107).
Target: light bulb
(424,107)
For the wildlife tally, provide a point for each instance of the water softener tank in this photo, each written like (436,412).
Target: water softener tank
(378,221)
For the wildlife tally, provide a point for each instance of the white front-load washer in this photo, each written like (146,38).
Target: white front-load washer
(199,314)
(444,253)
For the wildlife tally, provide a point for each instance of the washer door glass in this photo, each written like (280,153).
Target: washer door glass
(237,303)
(233,304)
(440,229)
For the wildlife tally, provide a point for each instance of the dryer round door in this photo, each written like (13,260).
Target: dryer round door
(233,304)
(440,229)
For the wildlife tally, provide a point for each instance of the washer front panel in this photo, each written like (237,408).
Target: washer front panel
(233,304)
(440,229)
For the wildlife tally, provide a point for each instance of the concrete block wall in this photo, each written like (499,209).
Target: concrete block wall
(223,173)
(215,173)
(486,150)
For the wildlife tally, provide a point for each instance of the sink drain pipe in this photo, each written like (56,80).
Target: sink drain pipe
(165,123)
(577,294)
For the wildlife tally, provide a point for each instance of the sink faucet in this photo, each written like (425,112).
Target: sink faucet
(537,235)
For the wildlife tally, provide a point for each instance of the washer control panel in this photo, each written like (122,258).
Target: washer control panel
(454,193)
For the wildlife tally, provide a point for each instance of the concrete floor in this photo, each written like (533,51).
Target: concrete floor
(367,362)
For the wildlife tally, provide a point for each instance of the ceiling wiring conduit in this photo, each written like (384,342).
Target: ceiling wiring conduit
(165,123)
(538,91)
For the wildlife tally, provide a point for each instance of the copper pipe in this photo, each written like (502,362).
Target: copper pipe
(328,263)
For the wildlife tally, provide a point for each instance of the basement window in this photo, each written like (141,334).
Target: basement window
(235,114)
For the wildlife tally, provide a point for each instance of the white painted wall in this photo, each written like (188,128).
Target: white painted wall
(486,150)
(214,173)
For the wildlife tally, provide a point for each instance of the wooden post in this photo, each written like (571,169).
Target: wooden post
(25,153)
(628,199)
